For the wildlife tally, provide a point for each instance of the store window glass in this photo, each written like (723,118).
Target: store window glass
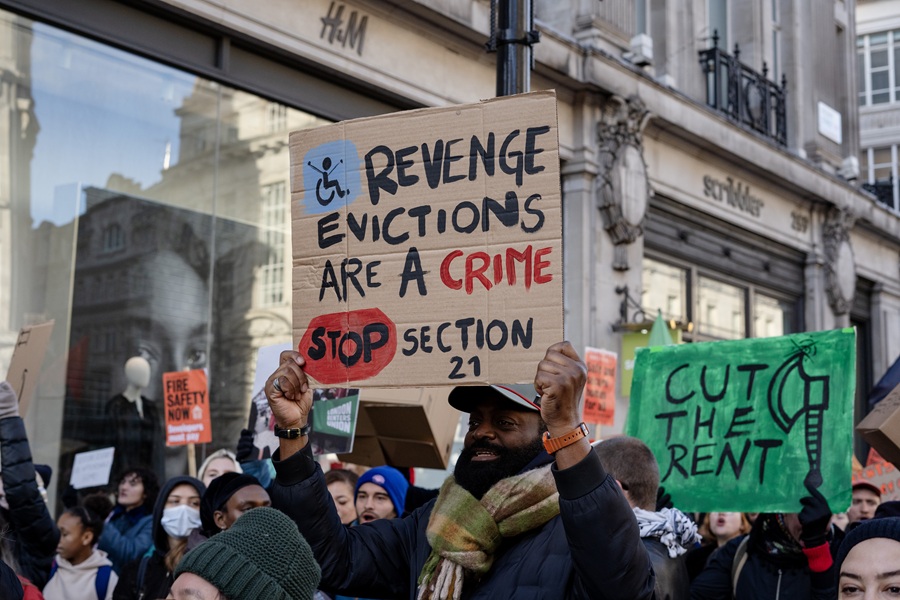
(772,317)
(665,289)
(148,216)
(722,309)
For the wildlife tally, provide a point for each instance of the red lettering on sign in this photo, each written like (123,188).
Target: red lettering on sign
(351,346)
(488,270)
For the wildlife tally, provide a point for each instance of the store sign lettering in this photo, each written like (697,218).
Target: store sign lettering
(735,194)
(353,34)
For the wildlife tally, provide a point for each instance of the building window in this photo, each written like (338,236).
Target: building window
(273,239)
(878,167)
(720,309)
(878,60)
(113,238)
(718,22)
(772,317)
(665,288)
(276,117)
(641,16)
(775,41)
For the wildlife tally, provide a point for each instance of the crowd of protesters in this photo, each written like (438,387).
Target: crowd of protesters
(533,510)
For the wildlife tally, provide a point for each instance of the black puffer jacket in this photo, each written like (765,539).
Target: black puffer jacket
(35,531)
(591,550)
(672,581)
(761,578)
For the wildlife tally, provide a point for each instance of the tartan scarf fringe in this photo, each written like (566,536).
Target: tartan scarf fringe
(464,532)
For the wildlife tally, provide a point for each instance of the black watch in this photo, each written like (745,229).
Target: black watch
(294,433)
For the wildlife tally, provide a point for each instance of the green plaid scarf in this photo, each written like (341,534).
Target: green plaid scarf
(464,533)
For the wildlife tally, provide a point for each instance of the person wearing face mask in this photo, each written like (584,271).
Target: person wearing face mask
(175,516)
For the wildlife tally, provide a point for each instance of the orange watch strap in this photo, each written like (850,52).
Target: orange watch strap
(553,445)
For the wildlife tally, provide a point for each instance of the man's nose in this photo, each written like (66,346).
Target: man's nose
(484,431)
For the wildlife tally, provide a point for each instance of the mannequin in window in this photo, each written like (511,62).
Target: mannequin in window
(135,427)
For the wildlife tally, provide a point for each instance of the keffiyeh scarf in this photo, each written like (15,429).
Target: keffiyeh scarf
(673,528)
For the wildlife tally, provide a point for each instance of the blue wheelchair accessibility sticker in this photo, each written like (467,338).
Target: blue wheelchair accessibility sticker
(330,177)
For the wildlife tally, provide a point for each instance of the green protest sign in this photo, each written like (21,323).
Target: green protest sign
(740,425)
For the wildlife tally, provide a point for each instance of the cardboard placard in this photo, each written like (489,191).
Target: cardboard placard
(92,469)
(427,245)
(600,388)
(27,358)
(751,419)
(187,408)
(881,427)
(408,427)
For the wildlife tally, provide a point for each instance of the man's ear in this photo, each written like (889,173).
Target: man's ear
(219,519)
(625,493)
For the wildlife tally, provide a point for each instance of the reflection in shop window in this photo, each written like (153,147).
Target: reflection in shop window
(722,309)
(665,289)
(171,212)
(277,117)
(772,317)
(273,239)
(113,238)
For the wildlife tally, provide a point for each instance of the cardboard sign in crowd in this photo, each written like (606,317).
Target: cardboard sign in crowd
(741,425)
(427,245)
(187,408)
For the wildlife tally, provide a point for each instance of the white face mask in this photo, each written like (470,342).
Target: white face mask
(178,521)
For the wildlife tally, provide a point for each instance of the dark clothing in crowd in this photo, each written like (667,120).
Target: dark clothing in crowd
(672,582)
(34,531)
(126,536)
(573,555)
(138,440)
(776,567)
(697,558)
(10,588)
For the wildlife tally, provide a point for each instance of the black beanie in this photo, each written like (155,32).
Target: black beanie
(217,494)
(262,555)
(887,527)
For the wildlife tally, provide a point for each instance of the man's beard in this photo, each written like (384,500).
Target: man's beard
(478,477)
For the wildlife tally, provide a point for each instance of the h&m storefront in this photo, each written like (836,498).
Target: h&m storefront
(143,207)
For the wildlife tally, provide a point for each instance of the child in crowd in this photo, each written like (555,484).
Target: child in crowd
(80,571)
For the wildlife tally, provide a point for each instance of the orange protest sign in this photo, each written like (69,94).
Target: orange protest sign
(187,408)
(882,475)
(600,389)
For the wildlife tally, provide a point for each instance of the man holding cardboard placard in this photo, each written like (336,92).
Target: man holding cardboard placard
(514,520)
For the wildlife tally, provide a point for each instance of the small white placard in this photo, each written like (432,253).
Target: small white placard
(830,123)
(91,469)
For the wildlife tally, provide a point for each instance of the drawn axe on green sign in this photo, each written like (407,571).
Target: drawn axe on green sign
(793,393)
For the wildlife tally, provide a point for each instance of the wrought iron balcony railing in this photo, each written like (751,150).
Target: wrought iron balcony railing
(748,98)
(882,190)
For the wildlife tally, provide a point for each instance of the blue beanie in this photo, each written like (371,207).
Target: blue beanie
(886,527)
(391,480)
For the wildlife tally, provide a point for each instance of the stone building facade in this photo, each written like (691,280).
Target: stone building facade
(709,154)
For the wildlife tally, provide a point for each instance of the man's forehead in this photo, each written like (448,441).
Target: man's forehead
(370,487)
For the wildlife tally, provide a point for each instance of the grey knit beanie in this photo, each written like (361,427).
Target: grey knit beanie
(263,555)
(886,527)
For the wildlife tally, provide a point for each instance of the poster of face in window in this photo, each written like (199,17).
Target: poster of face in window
(174,287)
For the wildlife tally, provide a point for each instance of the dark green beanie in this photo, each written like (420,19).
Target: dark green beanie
(263,555)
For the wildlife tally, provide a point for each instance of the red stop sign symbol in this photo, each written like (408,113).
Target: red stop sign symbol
(348,346)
